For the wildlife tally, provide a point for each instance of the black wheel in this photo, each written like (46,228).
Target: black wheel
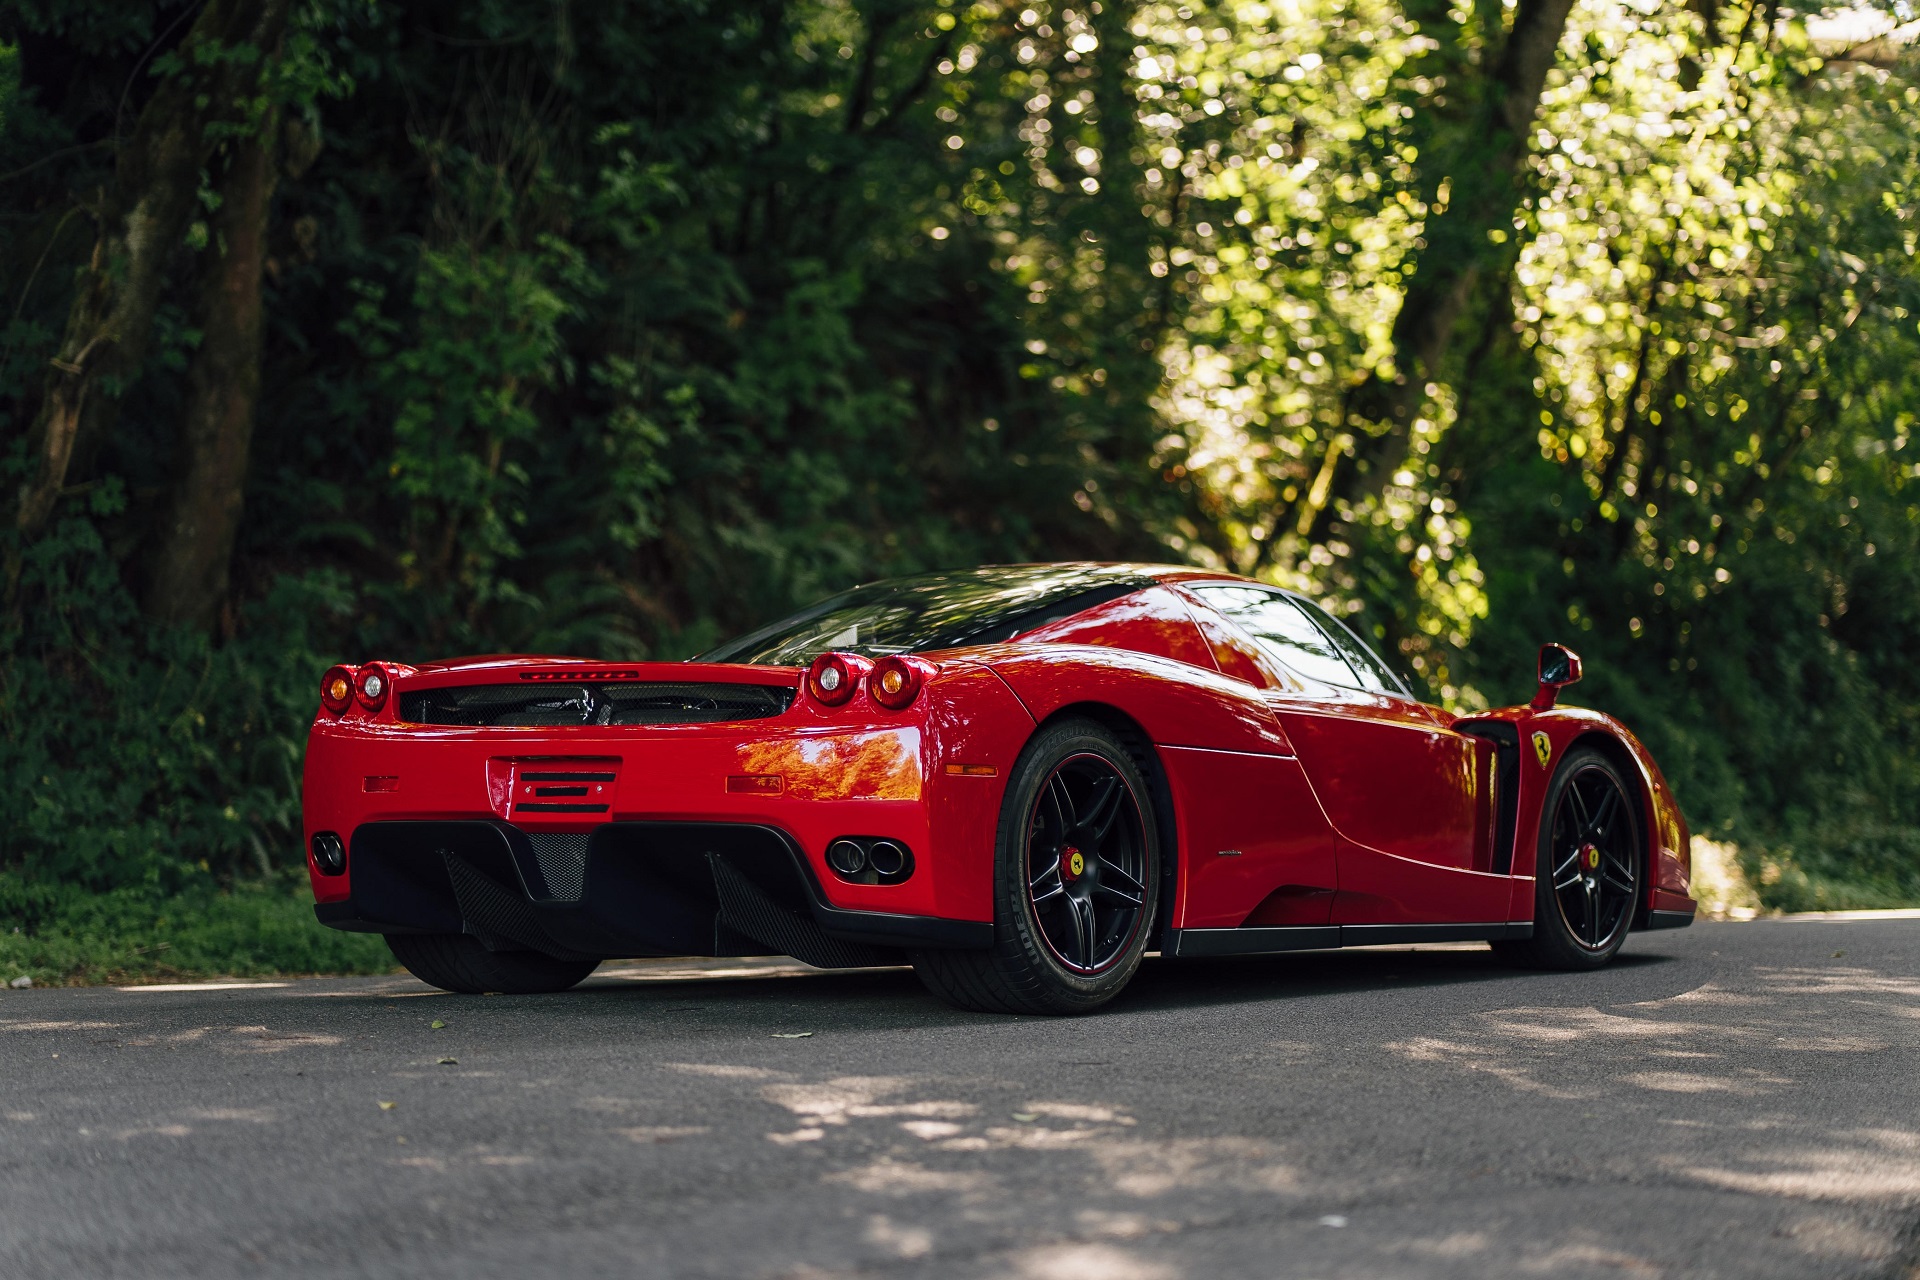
(456,962)
(1076,881)
(1588,878)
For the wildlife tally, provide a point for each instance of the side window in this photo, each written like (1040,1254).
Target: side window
(1286,632)
(1374,674)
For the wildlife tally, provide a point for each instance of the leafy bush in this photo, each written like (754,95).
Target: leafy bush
(150,780)
(131,934)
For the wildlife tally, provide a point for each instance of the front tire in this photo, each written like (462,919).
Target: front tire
(1076,881)
(456,962)
(1588,876)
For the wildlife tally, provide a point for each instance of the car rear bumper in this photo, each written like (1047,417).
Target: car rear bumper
(622,889)
(809,785)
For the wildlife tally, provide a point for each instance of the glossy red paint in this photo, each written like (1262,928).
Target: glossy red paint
(1255,847)
(1669,881)
(1154,620)
(1291,803)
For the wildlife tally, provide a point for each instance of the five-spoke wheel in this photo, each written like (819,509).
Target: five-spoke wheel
(1593,843)
(1588,877)
(1076,879)
(1086,859)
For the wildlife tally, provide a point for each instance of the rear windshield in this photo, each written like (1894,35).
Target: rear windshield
(933,611)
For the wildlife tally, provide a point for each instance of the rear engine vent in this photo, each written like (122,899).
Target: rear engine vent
(650,702)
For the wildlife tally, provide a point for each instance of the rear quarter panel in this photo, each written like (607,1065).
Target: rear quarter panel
(1252,837)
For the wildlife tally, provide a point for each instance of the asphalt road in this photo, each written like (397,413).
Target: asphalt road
(1730,1100)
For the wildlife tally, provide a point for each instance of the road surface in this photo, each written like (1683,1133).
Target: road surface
(1730,1100)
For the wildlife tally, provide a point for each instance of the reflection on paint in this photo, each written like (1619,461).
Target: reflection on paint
(882,765)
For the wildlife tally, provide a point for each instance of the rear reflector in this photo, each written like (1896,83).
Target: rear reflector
(755,784)
(381,782)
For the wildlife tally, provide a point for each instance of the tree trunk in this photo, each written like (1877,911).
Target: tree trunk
(188,581)
(1486,187)
(142,219)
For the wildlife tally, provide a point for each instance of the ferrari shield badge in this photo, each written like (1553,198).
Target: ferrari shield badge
(1542,747)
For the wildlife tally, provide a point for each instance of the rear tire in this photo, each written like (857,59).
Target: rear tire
(457,962)
(1077,873)
(1589,869)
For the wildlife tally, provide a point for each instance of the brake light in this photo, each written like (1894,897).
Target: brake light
(336,690)
(895,681)
(833,677)
(374,683)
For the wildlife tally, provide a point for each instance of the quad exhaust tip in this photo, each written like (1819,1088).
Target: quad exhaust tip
(870,860)
(329,853)
(887,858)
(847,858)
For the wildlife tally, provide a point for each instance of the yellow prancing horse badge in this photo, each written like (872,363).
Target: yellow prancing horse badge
(1542,747)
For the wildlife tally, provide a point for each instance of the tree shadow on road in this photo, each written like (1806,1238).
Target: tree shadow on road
(882,998)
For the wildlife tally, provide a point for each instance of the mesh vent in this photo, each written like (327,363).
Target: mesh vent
(637,703)
(563,864)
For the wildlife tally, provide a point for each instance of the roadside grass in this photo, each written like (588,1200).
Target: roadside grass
(252,930)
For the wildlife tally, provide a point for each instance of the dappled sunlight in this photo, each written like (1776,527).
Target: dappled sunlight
(1590,1253)
(1148,1169)
(1872,1165)
(1563,1026)
(1742,1083)
(1837,981)
(1088,1262)
(888,1176)
(654,1133)
(1091,1148)
(903,1242)
(1484,1059)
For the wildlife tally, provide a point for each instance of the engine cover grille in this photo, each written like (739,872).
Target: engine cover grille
(636,703)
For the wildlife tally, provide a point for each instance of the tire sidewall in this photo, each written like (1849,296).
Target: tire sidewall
(1551,934)
(1016,927)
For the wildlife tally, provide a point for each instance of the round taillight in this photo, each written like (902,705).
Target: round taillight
(374,683)
(833,677)
(894,682)
(336,689)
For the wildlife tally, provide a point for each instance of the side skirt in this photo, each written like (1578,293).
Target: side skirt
(1669,919)
(1266,941)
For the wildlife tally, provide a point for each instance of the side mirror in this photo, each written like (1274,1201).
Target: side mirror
(1559,667)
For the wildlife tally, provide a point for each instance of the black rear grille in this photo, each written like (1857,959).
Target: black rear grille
(650,702)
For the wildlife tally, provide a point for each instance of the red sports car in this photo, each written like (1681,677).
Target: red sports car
(1018,778)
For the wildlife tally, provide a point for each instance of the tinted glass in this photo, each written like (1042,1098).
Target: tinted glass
(1374,674)
(1285,632)
(933,611)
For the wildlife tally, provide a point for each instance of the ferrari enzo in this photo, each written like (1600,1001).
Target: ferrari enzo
(1019,779)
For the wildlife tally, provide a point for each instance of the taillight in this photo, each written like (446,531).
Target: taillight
(834,677)
(336,690)
(895,681)
(373,684)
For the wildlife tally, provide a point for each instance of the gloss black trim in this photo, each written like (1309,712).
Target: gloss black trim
(1267,940)
(1670,919)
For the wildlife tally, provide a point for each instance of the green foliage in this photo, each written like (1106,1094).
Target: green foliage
(131,934)
(614,330)
(142,757)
